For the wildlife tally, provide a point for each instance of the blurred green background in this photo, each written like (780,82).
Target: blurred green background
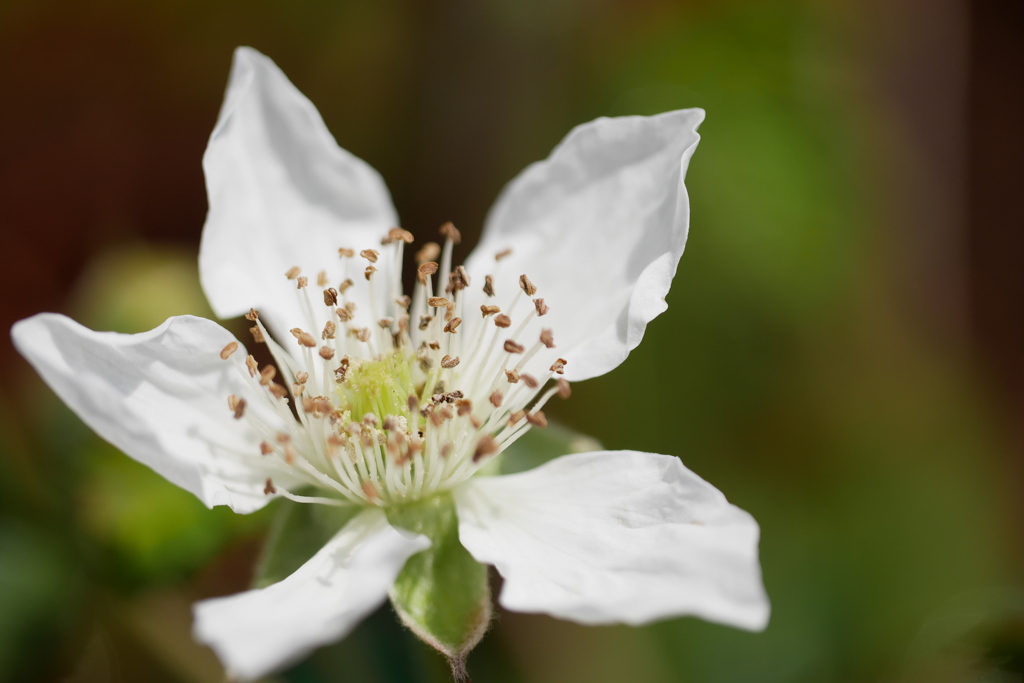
(841,354)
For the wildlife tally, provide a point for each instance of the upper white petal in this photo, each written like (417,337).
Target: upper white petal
(159,396)
(599,227)
(615,537)
(282,194)
(260,631)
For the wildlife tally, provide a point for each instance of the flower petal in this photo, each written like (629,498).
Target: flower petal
(159,396)
(598,227)
(615,537)
(259,631)
(282,194)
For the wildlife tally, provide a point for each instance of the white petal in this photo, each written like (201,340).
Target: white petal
(282,194)
(615,537)
(260,631)
(598,227)
(159,396)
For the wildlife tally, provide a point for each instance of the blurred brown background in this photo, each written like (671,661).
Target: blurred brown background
(841,355)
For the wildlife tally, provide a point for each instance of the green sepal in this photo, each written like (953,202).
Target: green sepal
(538,446)
(297,532)
(442,593)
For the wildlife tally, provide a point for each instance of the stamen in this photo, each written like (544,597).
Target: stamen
(226,352)
(293,272)
(526,285)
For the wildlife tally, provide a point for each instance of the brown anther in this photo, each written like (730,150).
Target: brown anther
(542,308)
(414,403)
(452,325)
(449,361)
(334,442)
(302,282)
(239,407)
(233,402)
(250,363)
(330,296)
(226,352)
(345,252)
(301,377)
(503,253)
(559,366)
(390,423)
(370,420)
(489,310)
(503,320)
(450,232)
(266,448)
(425,270)
(547,338)
(449,311)
(428,252)
(277,390)
(343,315)
(484,447)
(293,272)
(513,347)
(403,301)
(436,417)
(464,406)
(362,334)
(341,371)
(268,489)
(488,285)
(368,273)
(370,490)
(283,437)
(385,323)
(425,321)
(330,329)
(526,285)
(305,338)
(343,287)
(564,390)
(446,449)
(496,398)
(321,279)
(516,417)
(290,455)
(267,374)
(530,381)
(437,302)
(370,255)
(257,334)
(458,280)
(298,389)
(253,315)
(537,419)
(326,352)
(397,234)
(435,345)
(512,376)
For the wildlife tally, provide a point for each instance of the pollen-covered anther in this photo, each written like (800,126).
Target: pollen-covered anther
(334,443)
(363,334)
(502,321)
(330,330)
(425,270)
(341,371)
(326,352)
(564,390)
(257,334)
(458,280)
(345,252)
(370,255)
(425,321)
(512,376)
(403,301)
(237,405)
(302,282)
(452,325)
(266,448)
(343,287)
(526,285)
(537,419)
(449,361)
(503,253)
(489,310)
(290,455)
(434,345)
(277,390)
(321,279)
(301,377)
(559,366)
(463,406)
(484,447)
(370,270)
(343,314)
(268,488)
(437,302)
(450,232)
(428,252)
(542,308)
(267,374)
(293,272)
(330,296)
(488,285)
(496,398)
(530,381)
(547,338)
(512,347)
(516,417)
(253,366)
(226,352)
(396,235)
(304,338)
(449,311)
(253,315)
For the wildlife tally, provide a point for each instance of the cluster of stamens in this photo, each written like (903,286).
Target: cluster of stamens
(407,405)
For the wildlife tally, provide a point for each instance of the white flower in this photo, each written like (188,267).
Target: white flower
(399,398)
